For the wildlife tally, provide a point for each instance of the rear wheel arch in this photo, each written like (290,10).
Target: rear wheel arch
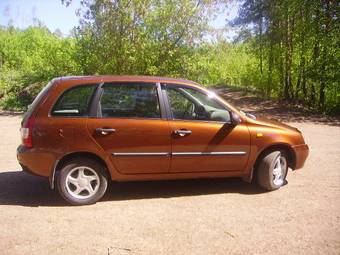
(74,155)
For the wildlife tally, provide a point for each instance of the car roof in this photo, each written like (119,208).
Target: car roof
(122,78)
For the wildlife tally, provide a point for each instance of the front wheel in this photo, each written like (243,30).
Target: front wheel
(82,181)
(272,170)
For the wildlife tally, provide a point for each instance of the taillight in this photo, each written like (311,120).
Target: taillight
(26,132)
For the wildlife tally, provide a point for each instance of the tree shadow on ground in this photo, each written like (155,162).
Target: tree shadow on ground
(22,189)
(279,110)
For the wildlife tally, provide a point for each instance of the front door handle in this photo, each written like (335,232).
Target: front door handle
(105,131)
(182,132)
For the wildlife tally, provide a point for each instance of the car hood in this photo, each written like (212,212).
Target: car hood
(273,123)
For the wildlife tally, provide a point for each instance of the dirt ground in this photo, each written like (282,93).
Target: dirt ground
(216,216)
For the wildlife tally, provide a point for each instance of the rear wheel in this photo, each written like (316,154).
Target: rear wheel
(272,170)
(82,181)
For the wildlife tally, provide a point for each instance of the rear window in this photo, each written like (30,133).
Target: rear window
(37,100)
(74,101)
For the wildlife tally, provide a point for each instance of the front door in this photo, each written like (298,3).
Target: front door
(203,138)
(129,127)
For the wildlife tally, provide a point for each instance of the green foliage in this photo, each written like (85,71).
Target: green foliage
(224,63)
(296,43)
(149,37)
(285,49)
(30,58)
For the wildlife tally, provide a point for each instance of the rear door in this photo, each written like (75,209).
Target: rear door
(131,128)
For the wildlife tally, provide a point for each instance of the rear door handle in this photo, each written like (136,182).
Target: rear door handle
(182,132)
(105,131)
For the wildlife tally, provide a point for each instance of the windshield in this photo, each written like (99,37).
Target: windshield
(202,98)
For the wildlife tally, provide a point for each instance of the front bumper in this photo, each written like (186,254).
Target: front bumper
(301,153)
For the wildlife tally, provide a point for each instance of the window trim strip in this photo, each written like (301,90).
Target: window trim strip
(214,153)
(140,154)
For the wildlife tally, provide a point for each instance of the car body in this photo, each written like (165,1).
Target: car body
(148,128)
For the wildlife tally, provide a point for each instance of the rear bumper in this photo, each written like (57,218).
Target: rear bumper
(35,161)
(301,154)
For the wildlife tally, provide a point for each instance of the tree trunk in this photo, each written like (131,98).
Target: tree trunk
(301,78)
(270,70)
(325,30)
(261,43)
(288,58)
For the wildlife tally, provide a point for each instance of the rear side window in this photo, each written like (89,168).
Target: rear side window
(74,102)
(130,100)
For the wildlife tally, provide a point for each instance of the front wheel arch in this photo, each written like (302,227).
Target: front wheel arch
(275,147)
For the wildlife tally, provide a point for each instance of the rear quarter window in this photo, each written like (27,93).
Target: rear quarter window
(38,99)
(74,101)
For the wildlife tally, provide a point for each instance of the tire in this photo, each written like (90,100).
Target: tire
(82,181)
(269,176)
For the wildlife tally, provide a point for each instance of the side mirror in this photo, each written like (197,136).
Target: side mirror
(235,118)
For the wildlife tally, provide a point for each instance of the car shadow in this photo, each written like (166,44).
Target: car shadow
(22,189)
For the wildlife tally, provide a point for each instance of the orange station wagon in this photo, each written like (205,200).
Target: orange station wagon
(81,132)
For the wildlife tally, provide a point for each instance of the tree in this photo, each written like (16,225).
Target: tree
(300,41)
(31,56)
(141,36)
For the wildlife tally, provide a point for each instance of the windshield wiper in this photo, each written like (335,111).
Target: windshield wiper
(252,116)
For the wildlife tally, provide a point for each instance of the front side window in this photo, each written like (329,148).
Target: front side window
(74,102)
(129,100)
(191,104)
